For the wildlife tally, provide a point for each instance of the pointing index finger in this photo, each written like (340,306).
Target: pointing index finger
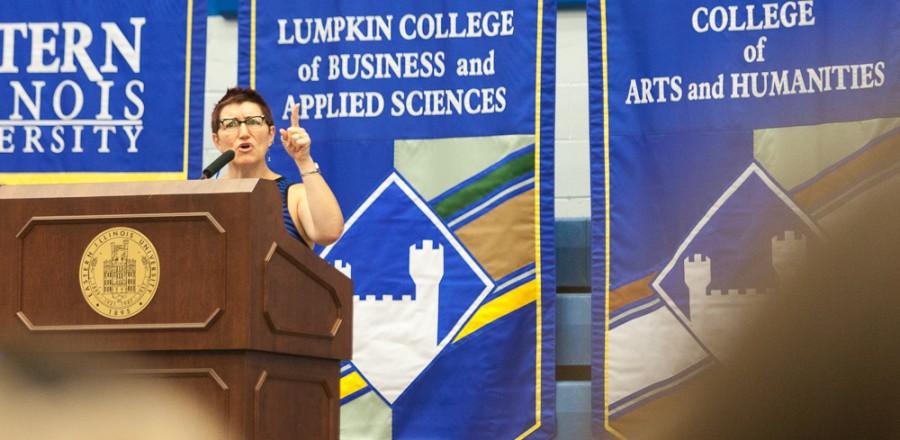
(295,116)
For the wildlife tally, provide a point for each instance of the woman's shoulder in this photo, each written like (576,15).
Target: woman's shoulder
(286,183)
(294,189)
(290,188)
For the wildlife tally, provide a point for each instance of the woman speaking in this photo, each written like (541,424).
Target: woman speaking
(242,122)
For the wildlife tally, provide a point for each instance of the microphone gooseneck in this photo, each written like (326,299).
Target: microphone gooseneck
(217,164)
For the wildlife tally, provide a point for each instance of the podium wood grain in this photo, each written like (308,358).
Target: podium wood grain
(248,319)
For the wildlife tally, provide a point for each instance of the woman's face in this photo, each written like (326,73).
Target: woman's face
(245,132)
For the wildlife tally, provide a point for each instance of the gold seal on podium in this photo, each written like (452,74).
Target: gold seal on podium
(119,272)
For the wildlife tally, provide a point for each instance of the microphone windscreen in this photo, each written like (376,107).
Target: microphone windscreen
(217,164)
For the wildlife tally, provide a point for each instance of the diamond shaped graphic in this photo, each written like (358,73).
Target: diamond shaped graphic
(746,249)
(414,285)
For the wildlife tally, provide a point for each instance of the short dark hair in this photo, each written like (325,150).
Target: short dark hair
(237,95)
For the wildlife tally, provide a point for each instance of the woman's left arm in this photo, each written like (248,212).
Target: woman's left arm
(317,209)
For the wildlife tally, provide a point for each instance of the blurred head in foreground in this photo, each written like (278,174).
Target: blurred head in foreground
(61,398)
(822,362)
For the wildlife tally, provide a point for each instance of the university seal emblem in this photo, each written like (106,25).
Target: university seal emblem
(119,272)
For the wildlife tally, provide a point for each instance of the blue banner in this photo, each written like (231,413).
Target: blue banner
(726,141)
(101,90)
(433,123)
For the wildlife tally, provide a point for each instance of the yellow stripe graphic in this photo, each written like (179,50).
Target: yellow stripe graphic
(537,225)
(252,44)
(352,383)
(54,178)
(606,228)
(187,87)
(507,303)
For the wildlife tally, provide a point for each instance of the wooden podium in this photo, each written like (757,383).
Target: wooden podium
(247,319)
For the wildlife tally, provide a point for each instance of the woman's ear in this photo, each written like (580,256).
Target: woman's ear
(215,139)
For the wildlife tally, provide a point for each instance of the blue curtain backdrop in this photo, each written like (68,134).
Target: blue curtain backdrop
(725,141)
(433,123)
(101,90)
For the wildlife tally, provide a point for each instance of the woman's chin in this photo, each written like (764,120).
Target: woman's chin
(243,160)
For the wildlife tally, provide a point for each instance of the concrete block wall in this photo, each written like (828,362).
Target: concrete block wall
(573,211)
(572,142)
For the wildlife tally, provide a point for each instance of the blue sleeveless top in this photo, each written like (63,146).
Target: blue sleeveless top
(283,186)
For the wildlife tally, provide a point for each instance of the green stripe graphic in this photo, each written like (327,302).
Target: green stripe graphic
(484,186)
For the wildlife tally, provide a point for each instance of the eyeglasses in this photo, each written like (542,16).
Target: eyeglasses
(252,122)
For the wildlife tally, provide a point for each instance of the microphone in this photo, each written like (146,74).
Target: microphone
(217,164)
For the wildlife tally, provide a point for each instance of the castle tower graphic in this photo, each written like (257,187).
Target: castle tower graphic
(716,313)
(409,323)
(746,251)
(119,271)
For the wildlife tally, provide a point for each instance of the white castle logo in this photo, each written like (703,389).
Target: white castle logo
(396,335)
(717,313)
(409,325)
